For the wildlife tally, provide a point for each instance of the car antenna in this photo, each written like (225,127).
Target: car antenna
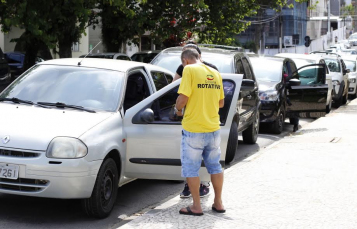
(79,63)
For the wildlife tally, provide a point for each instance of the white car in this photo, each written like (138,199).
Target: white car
(302,60)
(78,128)
(351,62)
(346,44)
(353,39)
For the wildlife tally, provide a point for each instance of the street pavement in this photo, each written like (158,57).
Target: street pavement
(305,180)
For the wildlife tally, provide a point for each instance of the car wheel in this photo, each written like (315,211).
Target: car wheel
(278,125)
(329,106)
(344,99)
(232,143)
(250,135)
(105,191)
(338,102)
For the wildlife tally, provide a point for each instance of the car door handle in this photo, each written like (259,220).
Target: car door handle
(249,97)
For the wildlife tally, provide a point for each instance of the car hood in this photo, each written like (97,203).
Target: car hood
(32,128)
(352,75)
(267,86)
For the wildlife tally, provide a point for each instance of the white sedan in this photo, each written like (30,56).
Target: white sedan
(78,128)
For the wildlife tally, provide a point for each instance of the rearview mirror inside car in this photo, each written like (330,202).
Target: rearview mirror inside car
(247,85)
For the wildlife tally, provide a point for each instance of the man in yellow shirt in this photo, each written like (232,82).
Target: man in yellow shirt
(200,97)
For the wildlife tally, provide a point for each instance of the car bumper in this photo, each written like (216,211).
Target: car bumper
(51,178)
(352,89)
(269,111)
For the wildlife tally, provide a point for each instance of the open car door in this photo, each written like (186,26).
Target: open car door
(153,132)
(307,92)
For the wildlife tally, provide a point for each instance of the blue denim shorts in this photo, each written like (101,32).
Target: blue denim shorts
(194,147)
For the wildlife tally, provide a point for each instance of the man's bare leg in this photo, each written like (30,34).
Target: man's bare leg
(217,182)
(194,185)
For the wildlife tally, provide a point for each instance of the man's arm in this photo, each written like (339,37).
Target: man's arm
(221,103)
(181,102)
(177,76)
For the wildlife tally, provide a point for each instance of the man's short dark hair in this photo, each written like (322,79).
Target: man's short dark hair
(192,46)
(190,54)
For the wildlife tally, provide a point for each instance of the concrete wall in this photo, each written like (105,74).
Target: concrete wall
(14,33)
(2,38)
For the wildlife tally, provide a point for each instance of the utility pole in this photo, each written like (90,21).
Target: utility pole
(328,21)
(280,30)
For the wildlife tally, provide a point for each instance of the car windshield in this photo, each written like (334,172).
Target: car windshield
(171,61)
(302,62)
(333,65)
(101,56)
(351,65)
(267,70)
(353,37)
(143,57)
(95,89)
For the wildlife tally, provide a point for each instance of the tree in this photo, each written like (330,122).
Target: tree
(31,15)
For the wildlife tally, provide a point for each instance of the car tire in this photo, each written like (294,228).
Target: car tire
(232,143)
(105,191)
(278,125)
(345,98)
(338,102)
(329,106)
(250,135)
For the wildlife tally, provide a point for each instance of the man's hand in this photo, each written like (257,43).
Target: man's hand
(181,103)
(179,113)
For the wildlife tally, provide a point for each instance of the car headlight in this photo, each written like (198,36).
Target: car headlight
(353,80)
(335,82)
(65,147)
(268,95)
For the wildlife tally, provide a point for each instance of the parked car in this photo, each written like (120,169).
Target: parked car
(5,72)
(302,60)
(16,62)
(92,123)
(337,47)
(339,75)
(351,62)
(345,43)
(116,56)
(353,39)
(246,120)
(145,56)
(288,92)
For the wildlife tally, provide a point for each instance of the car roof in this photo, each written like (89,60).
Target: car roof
(300,56)
(110,64)
(273,58)
(349,57)
(175,50)
(147,52)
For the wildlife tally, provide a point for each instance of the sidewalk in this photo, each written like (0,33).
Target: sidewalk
(306,180)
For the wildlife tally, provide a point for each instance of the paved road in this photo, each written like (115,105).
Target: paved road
(29,212)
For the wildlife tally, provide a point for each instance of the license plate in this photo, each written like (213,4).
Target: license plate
(9,171)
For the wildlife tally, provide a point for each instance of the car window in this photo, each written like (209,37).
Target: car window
(171,61)
(163,107)
(136,90)
(351,64)
(292,66)
(248,72)
(97,89)
(239,67)
(333,65)
(322,61)
(169,78)
(159,79)
(123,58)
(1,54)
(145,57)
(312,75)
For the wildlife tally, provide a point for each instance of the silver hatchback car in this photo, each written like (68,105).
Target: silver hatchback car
(78,128)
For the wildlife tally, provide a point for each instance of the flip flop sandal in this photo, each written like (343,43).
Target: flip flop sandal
(189,212)
(219,211)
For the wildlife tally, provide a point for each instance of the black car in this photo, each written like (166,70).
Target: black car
(5,73)
(246,119)
(286,92)
(145,56)
(109,55)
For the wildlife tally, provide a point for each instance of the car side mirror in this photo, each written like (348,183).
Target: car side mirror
(147,115)
(247,85)
(294,82)
(348,70)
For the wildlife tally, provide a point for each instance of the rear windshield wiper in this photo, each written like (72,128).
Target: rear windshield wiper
(16,100)
(63,105)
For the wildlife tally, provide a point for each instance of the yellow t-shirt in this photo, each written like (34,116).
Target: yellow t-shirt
(203,85)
